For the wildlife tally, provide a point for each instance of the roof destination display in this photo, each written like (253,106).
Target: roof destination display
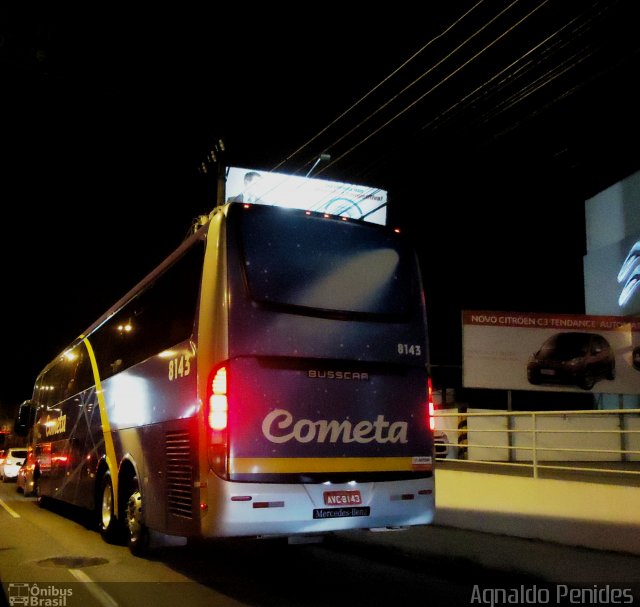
(311,194)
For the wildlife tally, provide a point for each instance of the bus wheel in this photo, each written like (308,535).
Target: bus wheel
(107,522)
(138,537)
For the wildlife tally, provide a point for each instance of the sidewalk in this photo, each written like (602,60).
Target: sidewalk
(547,561)
(593,515)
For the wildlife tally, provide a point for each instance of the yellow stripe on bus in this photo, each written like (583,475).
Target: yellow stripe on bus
(265,465)
(106,426)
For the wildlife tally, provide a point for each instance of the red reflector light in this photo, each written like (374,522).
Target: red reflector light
(425,492)
(402,497)
(268,504)
(241,498)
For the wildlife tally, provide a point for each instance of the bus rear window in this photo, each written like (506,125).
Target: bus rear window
(326,264)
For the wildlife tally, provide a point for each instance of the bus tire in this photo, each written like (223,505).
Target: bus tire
(107,521)
(137,532)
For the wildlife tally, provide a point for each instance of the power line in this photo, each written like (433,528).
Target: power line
(370,92)
(423,75)
(521,93)
(550,51)
(433,88)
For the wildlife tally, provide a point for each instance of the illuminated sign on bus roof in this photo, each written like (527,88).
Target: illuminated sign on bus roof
(310,194)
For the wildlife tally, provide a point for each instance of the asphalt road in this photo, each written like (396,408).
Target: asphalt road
(53,557)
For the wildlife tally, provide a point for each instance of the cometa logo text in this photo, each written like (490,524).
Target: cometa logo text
(279,427)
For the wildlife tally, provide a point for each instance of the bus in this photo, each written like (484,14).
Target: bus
(268,378)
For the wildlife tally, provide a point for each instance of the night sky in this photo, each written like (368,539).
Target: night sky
(488,141)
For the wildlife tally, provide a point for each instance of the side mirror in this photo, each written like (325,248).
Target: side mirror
(25,418)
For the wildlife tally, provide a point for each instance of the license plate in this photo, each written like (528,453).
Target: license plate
(547,372)
(342,498)
(341,512)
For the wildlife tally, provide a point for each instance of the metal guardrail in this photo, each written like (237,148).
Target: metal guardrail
(601,441)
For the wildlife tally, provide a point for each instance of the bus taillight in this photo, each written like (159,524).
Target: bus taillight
(217,418)
(218,407)
(431,408)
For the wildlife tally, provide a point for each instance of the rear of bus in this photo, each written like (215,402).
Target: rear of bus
(317,414)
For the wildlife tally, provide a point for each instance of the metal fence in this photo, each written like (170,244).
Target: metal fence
(601,441)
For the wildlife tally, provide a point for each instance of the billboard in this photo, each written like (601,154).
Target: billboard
(551,352)
(297,192)
(612,262)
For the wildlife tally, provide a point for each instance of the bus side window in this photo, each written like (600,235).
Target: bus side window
(84,374)
(165,313)
(52,387)
(74,372)
(106,348)
(159,317)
